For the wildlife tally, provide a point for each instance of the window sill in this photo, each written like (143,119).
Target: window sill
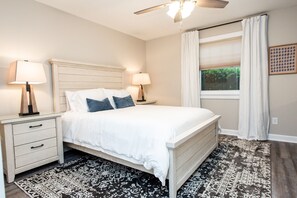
(225,95)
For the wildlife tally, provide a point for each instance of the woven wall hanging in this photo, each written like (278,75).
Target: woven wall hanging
(282,59)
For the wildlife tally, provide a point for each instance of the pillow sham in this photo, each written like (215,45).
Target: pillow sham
(96,105)
(77,100)
(117,93)
(123,102)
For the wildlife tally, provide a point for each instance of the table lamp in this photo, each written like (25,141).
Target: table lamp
(141,79)
(27,73)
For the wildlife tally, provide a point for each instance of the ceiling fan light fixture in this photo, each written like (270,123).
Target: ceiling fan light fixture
(186,9)
(173,9)
(181,9)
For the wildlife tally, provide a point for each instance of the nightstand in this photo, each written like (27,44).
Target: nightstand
(29,142)
(146,102)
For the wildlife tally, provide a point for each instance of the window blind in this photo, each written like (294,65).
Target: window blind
(221,53)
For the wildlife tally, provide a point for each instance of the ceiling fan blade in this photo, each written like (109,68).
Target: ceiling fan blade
(151,9)
(212,3)
(178,17)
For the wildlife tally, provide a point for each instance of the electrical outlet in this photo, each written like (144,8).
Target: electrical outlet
(274,120)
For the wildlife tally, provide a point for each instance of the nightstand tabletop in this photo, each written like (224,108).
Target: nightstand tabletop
(16,118)
(146,102)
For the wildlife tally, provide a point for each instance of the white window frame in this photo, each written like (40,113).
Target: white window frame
(221,94)
(225,94)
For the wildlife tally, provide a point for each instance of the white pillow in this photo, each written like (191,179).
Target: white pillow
(115,92)
(77,100)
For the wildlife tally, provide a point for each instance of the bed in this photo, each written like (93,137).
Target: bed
(187,148)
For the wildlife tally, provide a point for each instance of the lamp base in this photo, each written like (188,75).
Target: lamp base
(142,100)
(28,114)
(28,107)
(141,97)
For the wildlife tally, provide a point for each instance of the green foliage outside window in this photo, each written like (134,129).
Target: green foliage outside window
(226,78)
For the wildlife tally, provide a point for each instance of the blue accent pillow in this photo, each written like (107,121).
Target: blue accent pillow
(96,105)
(123,102)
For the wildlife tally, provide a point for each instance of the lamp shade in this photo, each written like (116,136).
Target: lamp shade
(141,79)
(23,71)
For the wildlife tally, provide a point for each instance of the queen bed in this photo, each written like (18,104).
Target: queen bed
(169,142)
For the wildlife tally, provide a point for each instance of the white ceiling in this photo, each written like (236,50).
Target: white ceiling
(118,14)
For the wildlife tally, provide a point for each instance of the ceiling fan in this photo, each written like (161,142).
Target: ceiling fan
(180,9)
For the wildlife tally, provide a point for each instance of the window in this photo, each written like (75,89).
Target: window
(226,78)
(220,66)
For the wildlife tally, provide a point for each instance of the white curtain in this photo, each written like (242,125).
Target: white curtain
(190,86)
(254,103)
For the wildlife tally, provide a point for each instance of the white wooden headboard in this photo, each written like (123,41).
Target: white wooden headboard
(71,75)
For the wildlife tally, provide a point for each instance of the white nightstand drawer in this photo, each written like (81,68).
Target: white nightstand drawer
(33,126)
(36,146)
(30,141)
(35,136)
(35,157)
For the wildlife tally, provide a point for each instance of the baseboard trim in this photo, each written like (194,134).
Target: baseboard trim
(282,138)
(229,132)
(272,137)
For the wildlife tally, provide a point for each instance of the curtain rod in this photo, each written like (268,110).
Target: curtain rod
(227,23)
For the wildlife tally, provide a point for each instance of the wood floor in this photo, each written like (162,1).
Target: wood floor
(284,169)
(283,164)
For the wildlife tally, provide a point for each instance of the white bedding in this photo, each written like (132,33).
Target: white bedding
(136,134)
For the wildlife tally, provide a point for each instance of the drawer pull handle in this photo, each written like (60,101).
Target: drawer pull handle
(31,127)
(35,147)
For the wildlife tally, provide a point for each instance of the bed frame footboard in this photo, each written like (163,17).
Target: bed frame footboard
(188,150)
(186,153)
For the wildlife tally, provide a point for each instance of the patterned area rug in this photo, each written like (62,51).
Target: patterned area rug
(237,168)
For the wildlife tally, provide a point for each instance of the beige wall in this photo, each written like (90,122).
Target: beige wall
(283,94)
(163,61)
(33,31)
(228,109)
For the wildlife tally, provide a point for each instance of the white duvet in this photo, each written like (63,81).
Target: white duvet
(137,134)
